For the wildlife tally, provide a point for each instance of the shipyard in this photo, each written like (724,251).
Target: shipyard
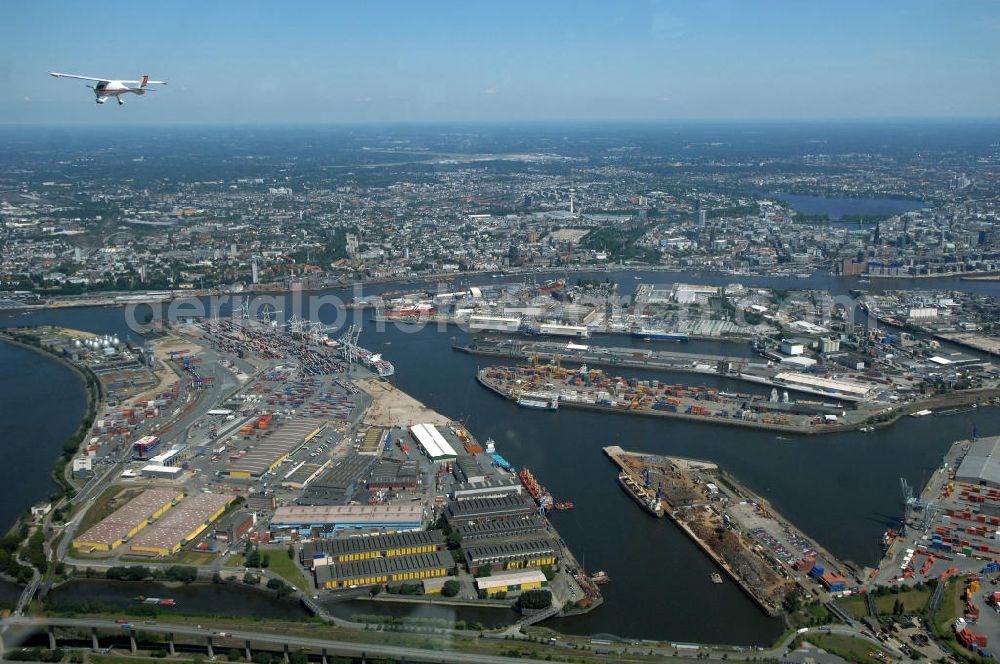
(756,548)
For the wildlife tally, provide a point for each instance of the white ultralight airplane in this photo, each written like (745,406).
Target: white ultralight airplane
(106,87)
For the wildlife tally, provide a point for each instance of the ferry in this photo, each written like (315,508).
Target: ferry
(658,335)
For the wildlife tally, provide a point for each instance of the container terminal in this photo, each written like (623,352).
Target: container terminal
(768,372)
(283,437)
(760,551)
(551,387)
(948,537)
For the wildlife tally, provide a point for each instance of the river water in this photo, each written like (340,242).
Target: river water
(41,404)
(842,489)
(225,599)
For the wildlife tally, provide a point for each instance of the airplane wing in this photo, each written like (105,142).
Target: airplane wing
(82,78)
(143,82)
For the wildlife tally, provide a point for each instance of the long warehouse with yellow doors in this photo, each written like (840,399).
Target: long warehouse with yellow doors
(111,532)
(513,581)
(510,555)
(181,525)
(350,549)
(376,571)
(275,446)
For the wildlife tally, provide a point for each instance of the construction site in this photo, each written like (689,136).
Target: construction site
(762,553)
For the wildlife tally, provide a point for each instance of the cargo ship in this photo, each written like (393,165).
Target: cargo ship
(409,312)
(538,401)
(549,287)
(649,503)
(658,335)
(538,493)
(379,365)
(498,460)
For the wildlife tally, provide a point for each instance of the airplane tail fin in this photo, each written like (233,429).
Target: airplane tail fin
(145,80)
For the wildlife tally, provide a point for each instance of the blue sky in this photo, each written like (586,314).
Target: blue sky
(425,61)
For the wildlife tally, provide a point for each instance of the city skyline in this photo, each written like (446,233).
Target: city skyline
(392,62)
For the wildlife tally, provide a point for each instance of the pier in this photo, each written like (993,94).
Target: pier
(736,529)
(595,391)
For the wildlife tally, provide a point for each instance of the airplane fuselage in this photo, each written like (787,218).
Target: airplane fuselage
(115,89)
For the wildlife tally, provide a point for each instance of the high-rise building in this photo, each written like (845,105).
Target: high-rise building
(702,217)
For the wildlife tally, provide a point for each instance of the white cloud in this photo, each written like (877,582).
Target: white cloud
(490,91)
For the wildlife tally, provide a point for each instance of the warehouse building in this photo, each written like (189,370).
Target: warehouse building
(982,463)
(83,467)
(376,571)
(391,475)
(372,441)
(171,457)
(349,549)
(317,519)
(338,484)
(513,506)
(467,469)
(234,527)
(487,530)
(513,581)
(275,447)
(510,555)
(433,443)
(845,389)
(181,525)
(111,532)
(493,487)
(156,471)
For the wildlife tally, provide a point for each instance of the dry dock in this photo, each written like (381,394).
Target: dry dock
(761,552)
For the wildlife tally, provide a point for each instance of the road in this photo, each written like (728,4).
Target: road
(293,642)
(11,627)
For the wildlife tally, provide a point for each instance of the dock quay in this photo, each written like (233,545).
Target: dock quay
(755,371)
(633,358)
(592,389)
(952,524)
(757,549)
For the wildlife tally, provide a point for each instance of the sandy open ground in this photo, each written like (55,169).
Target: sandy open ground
(393,407)
(978,341)
(161,351)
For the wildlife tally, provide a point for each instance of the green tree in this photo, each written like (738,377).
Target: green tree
(451,588)
(535,599)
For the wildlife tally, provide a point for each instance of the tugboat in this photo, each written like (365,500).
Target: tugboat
(716,577)
(564,505)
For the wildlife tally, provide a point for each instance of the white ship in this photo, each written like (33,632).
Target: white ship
(539,401)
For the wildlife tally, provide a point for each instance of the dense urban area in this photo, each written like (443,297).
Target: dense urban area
(383,207)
